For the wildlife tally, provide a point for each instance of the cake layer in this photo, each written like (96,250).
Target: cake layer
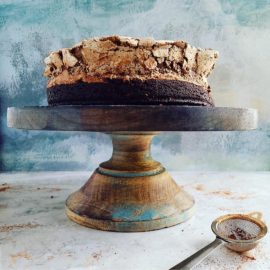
(133,92)
(125,58)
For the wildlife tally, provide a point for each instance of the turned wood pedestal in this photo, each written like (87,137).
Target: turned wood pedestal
(131,191)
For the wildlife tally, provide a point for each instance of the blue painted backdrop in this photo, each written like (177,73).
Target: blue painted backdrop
(240,30)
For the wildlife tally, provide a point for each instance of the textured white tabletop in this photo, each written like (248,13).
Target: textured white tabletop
(36,234)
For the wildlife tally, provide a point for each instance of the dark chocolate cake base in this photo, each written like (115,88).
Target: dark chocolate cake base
(135,92)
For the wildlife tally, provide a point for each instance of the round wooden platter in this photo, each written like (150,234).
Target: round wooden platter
(131,191)
(113,118)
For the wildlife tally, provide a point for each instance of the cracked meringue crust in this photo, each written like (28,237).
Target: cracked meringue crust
(99,63)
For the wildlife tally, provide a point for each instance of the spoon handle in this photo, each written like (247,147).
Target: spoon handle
(197,257)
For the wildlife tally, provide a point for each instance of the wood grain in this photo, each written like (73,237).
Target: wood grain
(130,191)
(112,118)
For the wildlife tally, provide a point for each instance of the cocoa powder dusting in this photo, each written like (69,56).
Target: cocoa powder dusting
(8,228)
(229,194)
(20,255)
(240,234)
(199,187)
(97,255)
(4,187)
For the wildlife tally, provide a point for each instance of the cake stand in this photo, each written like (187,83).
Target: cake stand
(131,191)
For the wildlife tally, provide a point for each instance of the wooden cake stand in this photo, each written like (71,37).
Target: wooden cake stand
(131,191)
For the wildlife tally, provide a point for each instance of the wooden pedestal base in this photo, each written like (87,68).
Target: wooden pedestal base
(130,192)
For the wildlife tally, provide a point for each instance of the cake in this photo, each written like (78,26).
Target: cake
(125,70)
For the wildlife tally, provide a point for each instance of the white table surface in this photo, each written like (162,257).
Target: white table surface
(36,234)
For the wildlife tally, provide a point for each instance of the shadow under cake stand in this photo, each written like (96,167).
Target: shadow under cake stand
(131,191)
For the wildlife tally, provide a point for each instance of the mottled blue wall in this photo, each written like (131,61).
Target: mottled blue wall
(240,30)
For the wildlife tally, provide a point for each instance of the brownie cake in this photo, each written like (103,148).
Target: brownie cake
(125,70)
